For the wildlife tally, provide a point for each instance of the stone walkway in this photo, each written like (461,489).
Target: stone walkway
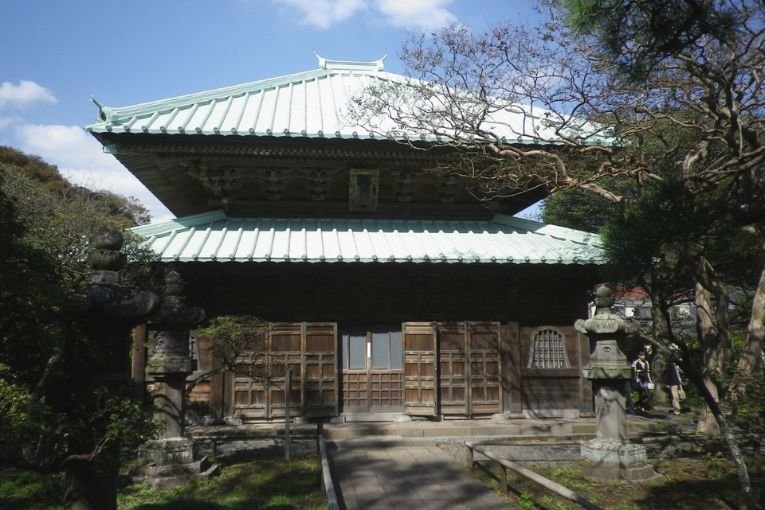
(403,478)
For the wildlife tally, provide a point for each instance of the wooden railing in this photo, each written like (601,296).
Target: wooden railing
(326,476)
(548,484)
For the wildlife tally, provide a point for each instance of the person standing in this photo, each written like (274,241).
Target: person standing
(641,379)
(674,381)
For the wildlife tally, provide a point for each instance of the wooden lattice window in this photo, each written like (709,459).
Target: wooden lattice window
(548,349)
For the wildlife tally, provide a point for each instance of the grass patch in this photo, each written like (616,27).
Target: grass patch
(263,483)
(22,489)
(707,482)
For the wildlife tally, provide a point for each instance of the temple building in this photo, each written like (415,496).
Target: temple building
(390,289)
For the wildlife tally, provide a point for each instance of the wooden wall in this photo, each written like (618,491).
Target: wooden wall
(548,392)
(521,298)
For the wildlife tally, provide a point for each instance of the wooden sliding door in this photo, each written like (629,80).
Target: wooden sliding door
(371,363)
(310,350)
(469,369)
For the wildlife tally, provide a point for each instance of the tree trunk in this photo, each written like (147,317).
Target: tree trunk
(714,410)
(91,482)
(711,364)
(712,420)
(751,353)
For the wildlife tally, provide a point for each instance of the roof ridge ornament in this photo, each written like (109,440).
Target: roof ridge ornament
(103,111)
(351,65)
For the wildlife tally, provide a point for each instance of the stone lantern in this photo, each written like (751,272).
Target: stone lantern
(610,454)
(113,310)
(170,459)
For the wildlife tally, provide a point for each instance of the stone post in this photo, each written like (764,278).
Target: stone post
(170,459)
(113,310)
(610,455)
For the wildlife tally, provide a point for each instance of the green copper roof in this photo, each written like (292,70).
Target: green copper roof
(307,104)
(213,236)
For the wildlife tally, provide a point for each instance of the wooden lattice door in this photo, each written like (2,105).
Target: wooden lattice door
(320,370)
(453,373)
(485,368)
(285,350)
(469,368)
(420,368)
(310,350)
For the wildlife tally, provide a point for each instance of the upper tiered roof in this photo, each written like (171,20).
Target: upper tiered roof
(312,104)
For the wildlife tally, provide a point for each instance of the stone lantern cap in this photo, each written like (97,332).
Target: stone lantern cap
(605,321)
(607,361)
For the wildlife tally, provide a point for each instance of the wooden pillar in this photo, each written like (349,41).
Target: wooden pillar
(586,406)
(511,369)
(138,354)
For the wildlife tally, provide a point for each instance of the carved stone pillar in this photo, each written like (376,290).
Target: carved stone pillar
(112,312)
(610,454)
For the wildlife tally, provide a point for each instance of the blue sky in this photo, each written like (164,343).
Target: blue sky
(56,54)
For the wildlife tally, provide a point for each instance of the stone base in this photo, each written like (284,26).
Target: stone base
(175,474)
(508,415)
(613,460)
(635,474)
(600,451)
(161,452)
(170,462)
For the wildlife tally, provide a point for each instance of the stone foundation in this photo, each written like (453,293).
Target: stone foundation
(601,451)
(614,460)
(170,462)
(161,452)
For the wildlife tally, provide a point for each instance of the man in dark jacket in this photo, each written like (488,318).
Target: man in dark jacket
(674,381)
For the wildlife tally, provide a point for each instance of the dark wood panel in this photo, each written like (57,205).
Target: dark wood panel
(551,394)
(453,377)
(420,368)
(485,368)
(320,384)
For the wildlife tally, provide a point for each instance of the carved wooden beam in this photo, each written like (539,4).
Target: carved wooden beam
(275,183)
(224,182)
(447,188)
(403,185)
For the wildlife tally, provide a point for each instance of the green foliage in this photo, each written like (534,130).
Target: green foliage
(526,502)
(582,210)
(667,227)
(748,410)
(640,33)
(15,419)
(240,342)
(21,489)
(120,419)
(49,407)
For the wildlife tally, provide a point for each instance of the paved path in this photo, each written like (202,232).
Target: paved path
(405,478)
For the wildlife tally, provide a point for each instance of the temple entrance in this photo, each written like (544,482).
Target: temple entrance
(470,369)
(371,362)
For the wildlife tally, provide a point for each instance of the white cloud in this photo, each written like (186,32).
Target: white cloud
(23,94)
(409,14)
(6,122)
(81,159)
(324,13)
(417,15)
